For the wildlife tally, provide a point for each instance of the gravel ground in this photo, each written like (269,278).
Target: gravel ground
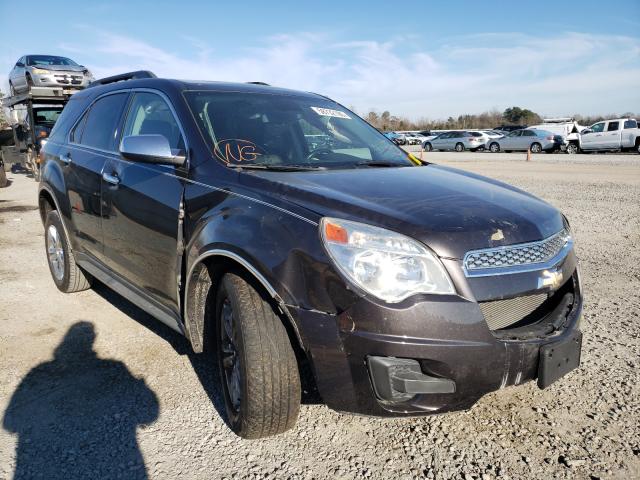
(92,387)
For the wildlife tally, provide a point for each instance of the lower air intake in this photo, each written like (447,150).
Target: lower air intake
(504,313)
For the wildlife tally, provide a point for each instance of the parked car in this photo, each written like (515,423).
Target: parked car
(412,138)
(493,134)
(47,71)
(509,128)
(402,288)
(528,139)
(567,127)
(458,141)
(616,134)
(396,138)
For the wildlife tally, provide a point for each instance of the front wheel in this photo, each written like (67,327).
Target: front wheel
(572,149)
(536,148)
(494,147)
(12,89)
(258,367)
(65,272)
(459,147)
(427,147)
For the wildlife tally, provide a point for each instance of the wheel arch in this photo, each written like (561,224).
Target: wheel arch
(200,290)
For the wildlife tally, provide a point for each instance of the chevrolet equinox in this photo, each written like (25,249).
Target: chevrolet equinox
(283,234)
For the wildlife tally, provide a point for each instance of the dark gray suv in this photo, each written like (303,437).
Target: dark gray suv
(292,242)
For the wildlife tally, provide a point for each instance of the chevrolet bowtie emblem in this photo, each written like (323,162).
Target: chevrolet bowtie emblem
(550,278)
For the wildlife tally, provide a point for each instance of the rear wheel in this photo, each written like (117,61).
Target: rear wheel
(536,147)
(428,147)
(258,367)
(494,147)
(459,147)
(65,272)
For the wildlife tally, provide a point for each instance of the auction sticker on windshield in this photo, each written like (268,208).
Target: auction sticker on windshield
(328,112)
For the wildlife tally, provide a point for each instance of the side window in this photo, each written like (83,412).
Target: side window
(613,126)
(598,127)
(515,133)
(76,133)
(100,127)
(528,133)
(630,124)
(150,114)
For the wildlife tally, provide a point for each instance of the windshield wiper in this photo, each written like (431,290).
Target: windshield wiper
(380,163)
(278,168)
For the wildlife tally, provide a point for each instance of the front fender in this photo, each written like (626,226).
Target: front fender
(280,248)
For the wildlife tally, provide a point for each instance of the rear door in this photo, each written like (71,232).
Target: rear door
(526,138)
(141,205)
(91,144)
(611,135)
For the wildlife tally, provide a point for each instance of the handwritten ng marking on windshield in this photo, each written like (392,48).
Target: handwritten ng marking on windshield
(236,150)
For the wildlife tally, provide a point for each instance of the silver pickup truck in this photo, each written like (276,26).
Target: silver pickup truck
(615,134)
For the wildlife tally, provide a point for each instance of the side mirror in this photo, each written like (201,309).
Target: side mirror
(586,130)
(151,148)
(19,64)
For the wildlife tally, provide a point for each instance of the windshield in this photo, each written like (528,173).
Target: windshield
(47,60)
(282,130)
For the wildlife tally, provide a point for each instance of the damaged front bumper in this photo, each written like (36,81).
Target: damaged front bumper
(436,354)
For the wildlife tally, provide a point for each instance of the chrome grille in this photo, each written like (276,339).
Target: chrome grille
(516,255)
(503,313)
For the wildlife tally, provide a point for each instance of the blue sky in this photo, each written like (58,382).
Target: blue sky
(417,59)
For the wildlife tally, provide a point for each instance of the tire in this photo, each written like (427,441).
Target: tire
(67,276)
(637,146)
(535,147)
(459,147)
(428,147)
(494,147)
(258,367)
(573,148)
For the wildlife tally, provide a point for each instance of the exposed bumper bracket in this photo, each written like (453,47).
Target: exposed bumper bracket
(399,379)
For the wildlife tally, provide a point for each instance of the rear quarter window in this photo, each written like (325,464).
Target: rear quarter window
(67,118)
(630,124)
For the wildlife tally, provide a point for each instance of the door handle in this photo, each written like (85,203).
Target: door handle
(112,179)
(66,158)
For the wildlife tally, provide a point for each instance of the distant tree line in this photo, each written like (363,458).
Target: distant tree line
(490,119)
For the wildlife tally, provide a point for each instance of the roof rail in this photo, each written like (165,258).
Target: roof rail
(259,83)
(123,77)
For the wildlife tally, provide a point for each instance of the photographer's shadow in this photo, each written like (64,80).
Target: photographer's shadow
(76,416)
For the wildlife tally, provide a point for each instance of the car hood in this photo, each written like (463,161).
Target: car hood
(450,210)
(61,68)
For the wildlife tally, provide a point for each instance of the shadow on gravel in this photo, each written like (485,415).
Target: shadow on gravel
(76,415)
(203,364)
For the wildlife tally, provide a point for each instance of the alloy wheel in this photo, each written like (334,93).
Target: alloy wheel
(230,356)
(55,252)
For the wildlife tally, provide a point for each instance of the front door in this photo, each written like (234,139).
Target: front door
(141,205)
(593,139)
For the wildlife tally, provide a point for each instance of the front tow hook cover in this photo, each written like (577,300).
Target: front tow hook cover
(399,379)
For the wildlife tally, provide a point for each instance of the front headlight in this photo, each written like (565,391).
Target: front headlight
(385,264)
(41,71)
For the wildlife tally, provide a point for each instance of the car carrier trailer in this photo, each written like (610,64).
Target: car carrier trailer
(32,116)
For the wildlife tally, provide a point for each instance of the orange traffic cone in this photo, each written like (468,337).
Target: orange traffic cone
(529,154)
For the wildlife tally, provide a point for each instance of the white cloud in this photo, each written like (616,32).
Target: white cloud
(565,74)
